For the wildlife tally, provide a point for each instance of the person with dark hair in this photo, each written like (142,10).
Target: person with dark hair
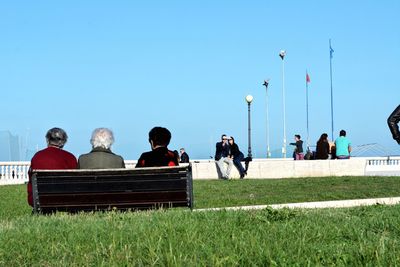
(298,151)
(222,156)
(237,156)
(160,155)
(101,156)
(343,146)
(393,121)
(184,156)
(322,150)
(51,158)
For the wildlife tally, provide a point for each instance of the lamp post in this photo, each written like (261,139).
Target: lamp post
(266,83)
(249,99)
(282,54)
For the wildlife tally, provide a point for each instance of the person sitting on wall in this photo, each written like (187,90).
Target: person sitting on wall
(237,156)
(343,146)
(322,150)
(160,155)
(101,156)
(393,121)
(184,156)
(222,156)
(51,158)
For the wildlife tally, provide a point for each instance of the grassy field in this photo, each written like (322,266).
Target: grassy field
(343,237)
(220,193)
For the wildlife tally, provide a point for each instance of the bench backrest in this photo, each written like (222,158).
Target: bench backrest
(87,190)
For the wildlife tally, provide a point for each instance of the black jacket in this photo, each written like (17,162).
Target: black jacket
(299,146)
(221,151)
(158,157)
(393,121)
(234,150)
(184,158)
(322,151)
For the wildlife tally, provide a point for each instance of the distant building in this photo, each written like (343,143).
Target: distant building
(9,147)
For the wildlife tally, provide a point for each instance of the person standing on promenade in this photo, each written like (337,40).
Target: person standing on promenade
(343,146)
(101,156)
(222,156)
(160,155)
(51,158)
(393,121)
(299,154)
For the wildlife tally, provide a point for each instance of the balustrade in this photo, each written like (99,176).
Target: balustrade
(15,172)
(384,162)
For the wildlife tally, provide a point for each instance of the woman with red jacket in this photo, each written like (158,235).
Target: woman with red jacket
(51,158)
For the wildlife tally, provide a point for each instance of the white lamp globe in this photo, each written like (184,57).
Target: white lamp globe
(249,99)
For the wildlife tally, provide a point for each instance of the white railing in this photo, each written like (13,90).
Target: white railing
(130,164)
(383,166)
(384,161)
(14,172)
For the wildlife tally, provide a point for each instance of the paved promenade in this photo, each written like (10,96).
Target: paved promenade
(317,205)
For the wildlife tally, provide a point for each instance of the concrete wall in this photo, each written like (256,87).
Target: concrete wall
(288,168)
(17,172)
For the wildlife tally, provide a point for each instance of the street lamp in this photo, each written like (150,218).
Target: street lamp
(282,54)
(249,99)
(266,83)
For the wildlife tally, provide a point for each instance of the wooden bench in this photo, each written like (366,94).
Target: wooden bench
(107,189)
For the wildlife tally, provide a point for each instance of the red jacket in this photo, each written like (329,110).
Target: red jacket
(51,158)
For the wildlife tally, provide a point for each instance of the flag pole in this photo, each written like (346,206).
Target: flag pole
(330,65)
(308,130)
(266,82)
(282,54)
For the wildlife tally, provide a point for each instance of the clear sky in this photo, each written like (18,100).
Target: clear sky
(188,65)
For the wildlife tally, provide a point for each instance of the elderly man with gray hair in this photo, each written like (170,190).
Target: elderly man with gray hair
(101,156)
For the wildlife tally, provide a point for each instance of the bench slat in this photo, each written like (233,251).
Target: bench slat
(104,198)
(115,178)
(112,186)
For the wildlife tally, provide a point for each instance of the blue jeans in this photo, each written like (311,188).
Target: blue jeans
(238,164)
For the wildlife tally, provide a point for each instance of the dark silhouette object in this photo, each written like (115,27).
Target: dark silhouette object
(298,153)
(184,156)
(322,151)
(237,156)
(393,121)
(160,155)
(246,163)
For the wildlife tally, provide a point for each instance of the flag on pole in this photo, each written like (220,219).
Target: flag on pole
(331,49)
(266,83)
(307,78)
(282,54)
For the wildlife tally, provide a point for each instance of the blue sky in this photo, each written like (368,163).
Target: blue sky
(187,66)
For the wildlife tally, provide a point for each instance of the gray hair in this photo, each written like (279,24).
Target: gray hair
(102,137)
(56,137)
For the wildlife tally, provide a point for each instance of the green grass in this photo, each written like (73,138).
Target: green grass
(358,236)
(221,193)
(364,236)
